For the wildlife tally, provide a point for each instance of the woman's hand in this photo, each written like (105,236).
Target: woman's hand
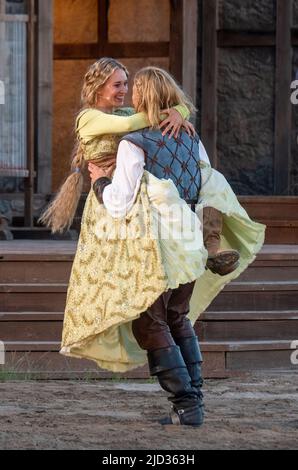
(173,122)
(98,172)
(188,126)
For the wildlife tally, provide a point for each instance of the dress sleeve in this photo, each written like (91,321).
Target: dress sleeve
(183,110)
(93,123)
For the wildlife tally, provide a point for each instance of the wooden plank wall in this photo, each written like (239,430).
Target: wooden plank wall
(105,48)
(31,89)
(282,154)
(45,95)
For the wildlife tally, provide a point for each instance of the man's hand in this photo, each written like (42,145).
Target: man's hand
(96,172)
(173,122)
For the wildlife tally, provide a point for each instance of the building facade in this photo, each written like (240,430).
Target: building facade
(236,59)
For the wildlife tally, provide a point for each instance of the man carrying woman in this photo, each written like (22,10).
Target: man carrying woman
(144,292)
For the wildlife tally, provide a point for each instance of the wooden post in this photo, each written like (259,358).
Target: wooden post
(102,27)
(183,44)
(282,152)
(189,63)
(29,182)
(2,46)
(45,96)
(176,39)
(209,78)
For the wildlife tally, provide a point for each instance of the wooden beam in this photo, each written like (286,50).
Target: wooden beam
(75,51)
(45,96)
(29,182)
(282,151)
(182,49)
(294,36)
(245,38)
(209,78)
(249,38)
(189,64)
(119,50)
(234,38)
(137,49)
(176,39)
(2,51)
(102,27)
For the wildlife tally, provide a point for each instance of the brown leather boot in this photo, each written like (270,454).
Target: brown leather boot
(219,262)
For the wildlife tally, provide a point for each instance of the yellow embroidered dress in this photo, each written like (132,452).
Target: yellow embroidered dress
(115,277)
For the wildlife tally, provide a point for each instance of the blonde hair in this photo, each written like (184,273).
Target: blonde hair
(158,90)
(61,211)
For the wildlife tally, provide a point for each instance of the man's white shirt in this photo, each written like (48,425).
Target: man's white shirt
(119,196)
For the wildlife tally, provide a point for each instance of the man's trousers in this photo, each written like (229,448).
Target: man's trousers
(165,320)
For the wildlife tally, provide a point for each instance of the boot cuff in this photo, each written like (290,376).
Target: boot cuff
(164,359)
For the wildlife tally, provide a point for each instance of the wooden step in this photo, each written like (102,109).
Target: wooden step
(49,365)
(239,296)
(207,346)
(271,207)
(31,316)
(41,233)
(248,330)
(221,359)
(249,315)
(51,297)
(31,330)
(47,326)
(278,213)
(235,286)
(37,250)
(261,271)
(33,271)
(206,316)
(51,262)
(33,287)
(280,232)
(255,300)
(32,345)
(231,346)
(33,297)
(54,249)
(250,286)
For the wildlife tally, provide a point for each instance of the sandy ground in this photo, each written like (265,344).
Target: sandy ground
(255,412)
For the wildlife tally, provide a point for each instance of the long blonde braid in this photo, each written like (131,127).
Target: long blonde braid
(61,211)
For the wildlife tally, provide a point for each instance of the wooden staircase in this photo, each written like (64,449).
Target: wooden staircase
(250,325)
(278,213)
